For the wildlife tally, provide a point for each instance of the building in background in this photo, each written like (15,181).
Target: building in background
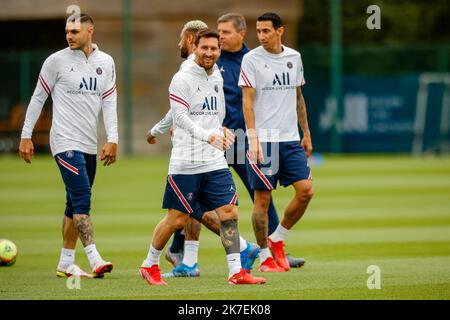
(393,82)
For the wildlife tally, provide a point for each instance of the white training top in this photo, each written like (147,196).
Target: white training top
(197,104)
(80,87)
(275,78)
(165,123)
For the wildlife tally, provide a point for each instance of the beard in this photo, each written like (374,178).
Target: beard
(77,46)
(206,65)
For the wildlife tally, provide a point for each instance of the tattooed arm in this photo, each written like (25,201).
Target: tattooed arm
(303,122)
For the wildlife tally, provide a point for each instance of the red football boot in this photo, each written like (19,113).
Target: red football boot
(269,265)
(278,253)
(152,275)
(243,277)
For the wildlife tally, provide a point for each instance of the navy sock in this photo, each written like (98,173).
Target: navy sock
(273,217)
(178,242)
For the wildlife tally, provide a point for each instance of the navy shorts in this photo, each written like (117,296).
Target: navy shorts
(285,162)
(78,173)
(198,213)
(194,193)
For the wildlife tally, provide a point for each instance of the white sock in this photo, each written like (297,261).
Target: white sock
(264,254)
(234,263)
(66,259)
(190,252)
(152,257)
(242,244)
(92,255)
(279,234)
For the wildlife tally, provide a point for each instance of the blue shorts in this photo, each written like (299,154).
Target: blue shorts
(284,161)
(78,173)
(194,193)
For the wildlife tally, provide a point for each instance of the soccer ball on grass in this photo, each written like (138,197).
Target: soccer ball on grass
(8,252)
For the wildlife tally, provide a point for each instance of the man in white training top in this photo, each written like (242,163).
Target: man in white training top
(186,261)
(81,81)
(273,104)
(198,171)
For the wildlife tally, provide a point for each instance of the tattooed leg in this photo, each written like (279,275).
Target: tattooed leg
(260,218)
(229,234)
(83,224)
(260,227)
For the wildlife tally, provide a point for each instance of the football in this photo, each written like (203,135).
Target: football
(8,252)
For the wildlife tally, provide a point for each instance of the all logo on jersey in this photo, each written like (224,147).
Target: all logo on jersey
(210,104)
(282,80)
(90,84)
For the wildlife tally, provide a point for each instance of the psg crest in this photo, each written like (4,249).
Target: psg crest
(99,71)
(216,88)
(69,154)
(289,65)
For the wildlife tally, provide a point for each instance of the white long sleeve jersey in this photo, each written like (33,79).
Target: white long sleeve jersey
(165,123)
(80,87)
(197,105)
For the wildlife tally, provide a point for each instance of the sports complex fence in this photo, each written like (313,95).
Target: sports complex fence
(395,98)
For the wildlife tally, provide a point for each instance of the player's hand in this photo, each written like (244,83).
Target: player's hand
(171,132)
(151,139)
(109,152)
(222,142)
(26,150)
(229,137)
(255,150)
(307,144)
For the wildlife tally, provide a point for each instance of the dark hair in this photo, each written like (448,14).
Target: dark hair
(82,18)
(206,33)
(270,16)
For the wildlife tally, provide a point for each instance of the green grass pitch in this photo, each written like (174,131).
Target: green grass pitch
(393,212)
